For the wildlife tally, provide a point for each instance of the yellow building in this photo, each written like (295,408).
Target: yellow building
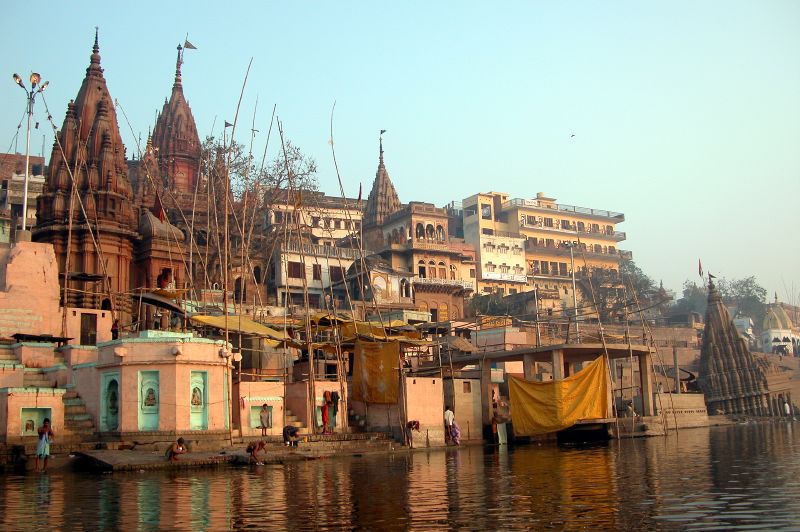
(522,243)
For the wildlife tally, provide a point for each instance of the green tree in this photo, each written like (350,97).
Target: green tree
(749,297)
(695,299)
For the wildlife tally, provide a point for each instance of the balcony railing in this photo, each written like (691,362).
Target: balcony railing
(617,236)
(467,285)
(564,252)
(536,204)
(321,251)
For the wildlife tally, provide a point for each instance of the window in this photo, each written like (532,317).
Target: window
(486,211)
(316,272)
(296,270)
(545,268)
(486,231)
(336,273)
(489,267)
(548,222)
(554,268)
(562,268)
(472,272)
(504,268)
(338,224)
(420,231)
(467,387)
(442,271)
(531,220)
(421,269)
(581,227)
(452,271)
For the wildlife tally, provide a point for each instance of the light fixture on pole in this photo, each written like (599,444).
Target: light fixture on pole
(571,246)
(35,89)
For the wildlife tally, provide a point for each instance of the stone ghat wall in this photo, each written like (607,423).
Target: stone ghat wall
(29,290)
(688,409)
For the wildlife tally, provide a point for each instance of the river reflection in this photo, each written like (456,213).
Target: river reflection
(744,476)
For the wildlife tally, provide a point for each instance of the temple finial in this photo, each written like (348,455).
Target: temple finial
(380,141)
(178,64)
(94,63)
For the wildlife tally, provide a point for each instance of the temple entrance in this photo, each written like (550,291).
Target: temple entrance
(148,400)
(198,418)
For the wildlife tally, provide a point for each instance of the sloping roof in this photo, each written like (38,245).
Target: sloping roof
(241,324)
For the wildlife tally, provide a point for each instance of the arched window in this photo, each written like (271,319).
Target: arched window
(452,271)
(442,271)
(429,232)
(405,288)
(257,274)
(432,269)
(421,269)
(440,233)
(420,231)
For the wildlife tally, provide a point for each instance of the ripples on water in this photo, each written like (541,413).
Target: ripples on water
(745,477)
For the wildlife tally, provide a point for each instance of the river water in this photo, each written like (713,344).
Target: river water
(723,478)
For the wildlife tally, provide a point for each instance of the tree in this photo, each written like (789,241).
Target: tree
(695,299)
(749,298)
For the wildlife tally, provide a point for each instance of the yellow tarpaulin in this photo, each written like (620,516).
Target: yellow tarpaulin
(241,324)
(375,372)
(542,407)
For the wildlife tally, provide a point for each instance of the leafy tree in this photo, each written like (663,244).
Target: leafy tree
(749,298)
(695,299)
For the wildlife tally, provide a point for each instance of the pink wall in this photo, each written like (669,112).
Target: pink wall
(297,394)
(35,356)
(174,357)
(252,394)
(29,291)
(11,376)
(12,403)
(104,322)
(425,403)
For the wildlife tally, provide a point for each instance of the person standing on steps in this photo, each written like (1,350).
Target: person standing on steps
(43,445)
(266,419)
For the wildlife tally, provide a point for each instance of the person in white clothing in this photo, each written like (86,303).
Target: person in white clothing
(449,418)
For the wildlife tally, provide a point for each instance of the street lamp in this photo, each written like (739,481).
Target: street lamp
(35,78)
(571,246)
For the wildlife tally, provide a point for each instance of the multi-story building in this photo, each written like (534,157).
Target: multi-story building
(12,184)
(527,243)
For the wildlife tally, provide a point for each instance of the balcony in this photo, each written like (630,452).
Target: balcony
(536,204)
(311,250)
(466,285)
(588,251)
(616,236)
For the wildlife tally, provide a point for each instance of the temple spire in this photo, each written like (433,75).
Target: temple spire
(94,61)
(178,64)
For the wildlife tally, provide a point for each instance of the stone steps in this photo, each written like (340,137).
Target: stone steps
(76,419)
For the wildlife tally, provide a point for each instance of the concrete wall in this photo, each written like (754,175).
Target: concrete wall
(688,409)
(255,394)
(29,291)
(425,403)
(464,395)
(104,322)
(297,403)
(13,400)
(175,356)
(35,355)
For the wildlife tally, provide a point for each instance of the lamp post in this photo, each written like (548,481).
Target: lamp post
(31,97)
(571,246)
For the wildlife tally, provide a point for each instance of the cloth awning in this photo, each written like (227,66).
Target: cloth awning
(151,298)
(241,324)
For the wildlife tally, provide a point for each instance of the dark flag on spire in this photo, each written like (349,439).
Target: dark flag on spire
(383,131)
(228,124)
(359,193)
(188,45)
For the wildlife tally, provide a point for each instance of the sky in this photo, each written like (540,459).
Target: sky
(685,115)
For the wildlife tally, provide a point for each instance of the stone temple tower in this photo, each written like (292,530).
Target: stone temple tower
(101,242)
(176,141)
(382,202)
(730,377)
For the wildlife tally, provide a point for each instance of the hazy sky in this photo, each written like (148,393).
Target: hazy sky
(686,115)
